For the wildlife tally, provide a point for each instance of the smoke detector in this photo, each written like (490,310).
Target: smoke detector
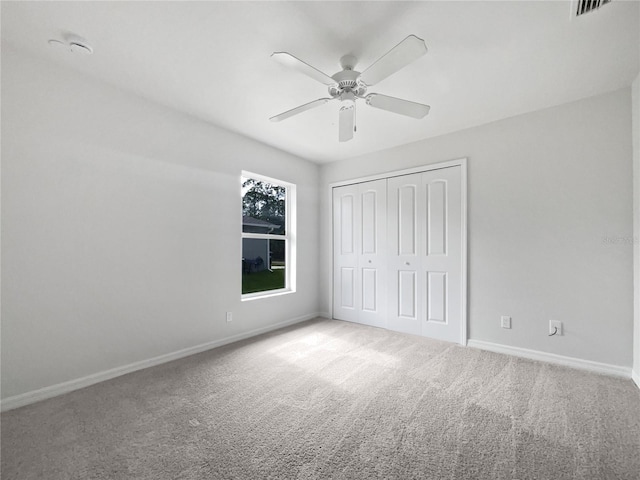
(72,43)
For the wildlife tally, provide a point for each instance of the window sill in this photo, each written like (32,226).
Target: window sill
(269,293)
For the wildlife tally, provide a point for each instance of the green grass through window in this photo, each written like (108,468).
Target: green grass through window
(263,281)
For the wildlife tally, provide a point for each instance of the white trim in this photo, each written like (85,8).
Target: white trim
(573,8)
(463,249)
(636,377)
(264,178)
(33,396)
(246,297)
(592,366)
(264,236)
(462,163)
(399,173)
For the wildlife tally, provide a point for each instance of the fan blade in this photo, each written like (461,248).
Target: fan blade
(300,109)
(289,60)
(408,50)
(397,105)
(346,121)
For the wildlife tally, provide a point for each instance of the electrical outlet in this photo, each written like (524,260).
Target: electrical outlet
(505,322)
(229,316)
(553,325)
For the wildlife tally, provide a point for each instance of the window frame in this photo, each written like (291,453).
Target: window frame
(289,237)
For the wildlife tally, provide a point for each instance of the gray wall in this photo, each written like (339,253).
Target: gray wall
(121,226)
(550,197)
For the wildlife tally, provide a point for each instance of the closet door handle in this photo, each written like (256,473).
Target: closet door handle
(369,261)
(406,263)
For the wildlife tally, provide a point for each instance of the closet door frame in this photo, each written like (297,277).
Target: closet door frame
(462,163)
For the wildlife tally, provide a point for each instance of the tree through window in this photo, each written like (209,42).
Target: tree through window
(264,201)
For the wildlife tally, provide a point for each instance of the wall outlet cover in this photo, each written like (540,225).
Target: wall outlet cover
(553,324)
(505,321)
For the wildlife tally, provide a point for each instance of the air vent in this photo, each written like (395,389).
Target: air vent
(586,6)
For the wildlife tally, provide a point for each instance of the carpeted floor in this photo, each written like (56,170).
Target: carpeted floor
(328,399)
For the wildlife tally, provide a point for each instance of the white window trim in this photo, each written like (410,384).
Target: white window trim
(289,237)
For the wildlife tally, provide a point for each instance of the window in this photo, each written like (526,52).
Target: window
(268,236)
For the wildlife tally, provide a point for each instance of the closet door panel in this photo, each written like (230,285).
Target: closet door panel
(404,237)
(372,255)
(360,284)
(442,254)
(369,222)
(407,219)
(345,251)
(348,287)
(347,219)
(407,295)
(436,221)
(436,297)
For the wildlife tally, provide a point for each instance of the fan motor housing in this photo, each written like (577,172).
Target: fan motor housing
(347,81)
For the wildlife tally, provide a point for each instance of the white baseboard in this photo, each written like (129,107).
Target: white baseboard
(33,396)
(324,314)
(597,367)
(636,377)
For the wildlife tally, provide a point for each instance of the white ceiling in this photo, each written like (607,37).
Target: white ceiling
(486,60)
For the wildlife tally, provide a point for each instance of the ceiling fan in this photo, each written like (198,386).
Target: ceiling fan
(348,85)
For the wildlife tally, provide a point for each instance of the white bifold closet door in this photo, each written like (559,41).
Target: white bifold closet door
(398,253)
(360,253)
(425,254)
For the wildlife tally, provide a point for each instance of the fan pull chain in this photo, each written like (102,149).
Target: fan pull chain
(355,117)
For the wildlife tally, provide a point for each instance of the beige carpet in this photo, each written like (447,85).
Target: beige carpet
(328,399)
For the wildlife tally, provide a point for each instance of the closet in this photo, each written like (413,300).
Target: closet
(399,258)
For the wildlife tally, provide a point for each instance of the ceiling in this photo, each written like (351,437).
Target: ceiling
(486,60)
